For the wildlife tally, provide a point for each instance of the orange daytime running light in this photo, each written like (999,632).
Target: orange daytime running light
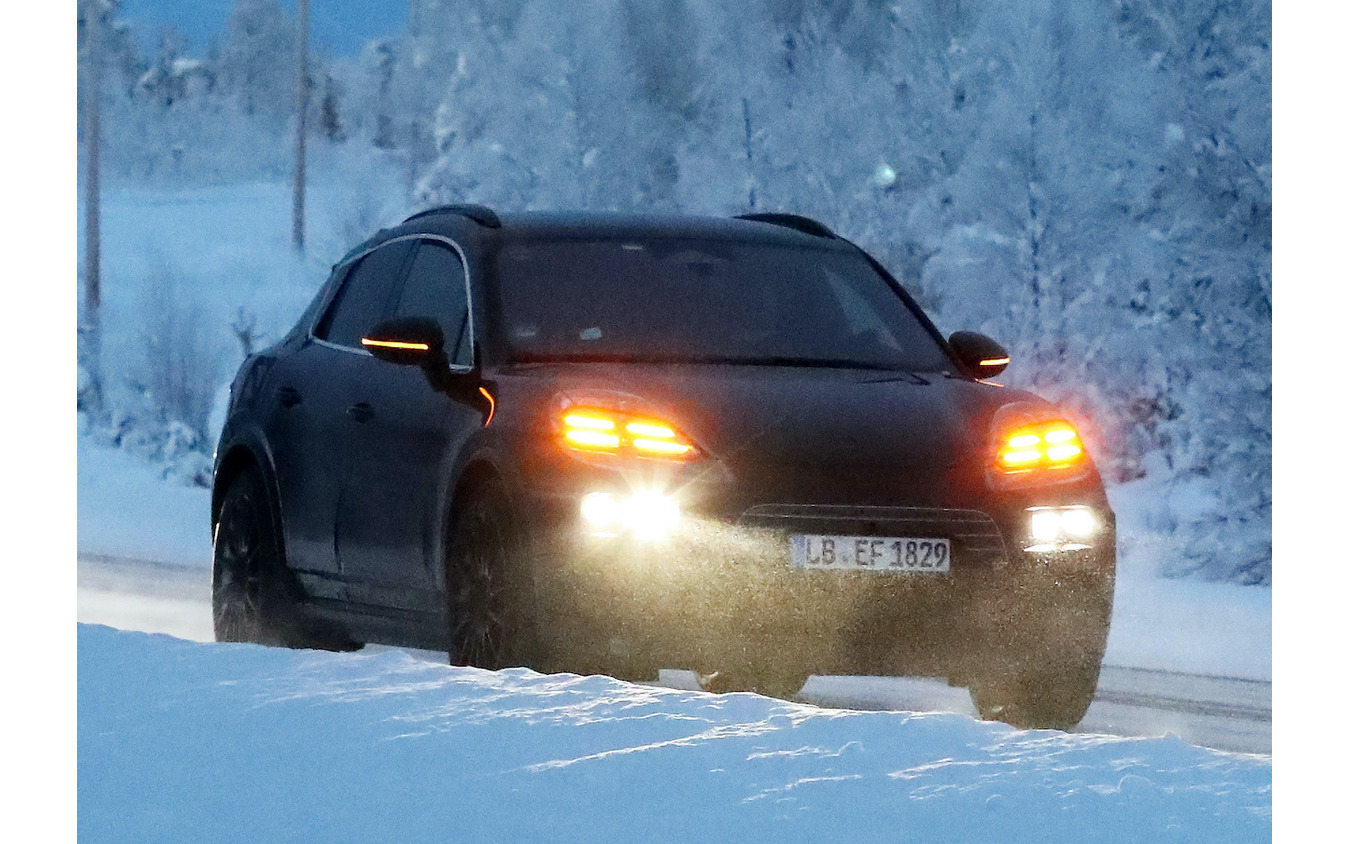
(492,405)
(1043,445)
(395,344)
(591,429)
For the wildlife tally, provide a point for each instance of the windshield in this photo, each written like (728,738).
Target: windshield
(705,301)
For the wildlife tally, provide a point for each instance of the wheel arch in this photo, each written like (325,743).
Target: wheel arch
(481,470)
(477,473)
(236,460)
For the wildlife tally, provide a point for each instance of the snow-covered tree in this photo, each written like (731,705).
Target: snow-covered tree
(1128,258)
(257,58)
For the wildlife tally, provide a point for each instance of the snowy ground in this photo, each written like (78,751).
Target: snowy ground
(184,741)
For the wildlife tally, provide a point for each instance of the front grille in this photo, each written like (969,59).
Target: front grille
(976,540)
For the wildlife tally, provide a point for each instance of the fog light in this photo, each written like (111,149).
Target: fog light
(1053,529)
(646,515)
(1045,525)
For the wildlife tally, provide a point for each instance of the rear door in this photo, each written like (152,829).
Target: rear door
(392,502)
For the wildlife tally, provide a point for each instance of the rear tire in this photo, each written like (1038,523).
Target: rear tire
(245,558)
(487,588)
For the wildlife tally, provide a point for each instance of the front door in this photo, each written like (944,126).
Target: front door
(414,430)
(318,420)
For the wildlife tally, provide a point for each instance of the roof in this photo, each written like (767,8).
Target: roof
(786,228)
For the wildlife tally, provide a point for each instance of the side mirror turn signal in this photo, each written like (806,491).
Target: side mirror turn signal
(982,356)
(406,340)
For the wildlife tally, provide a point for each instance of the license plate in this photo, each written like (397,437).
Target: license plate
(871,553)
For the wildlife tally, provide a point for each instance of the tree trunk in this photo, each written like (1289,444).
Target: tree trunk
(90,334)
(302,111)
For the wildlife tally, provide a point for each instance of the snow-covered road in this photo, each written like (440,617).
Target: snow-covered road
(1223,713)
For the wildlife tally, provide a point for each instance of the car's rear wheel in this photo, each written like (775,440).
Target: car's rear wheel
(487,584)
(245,560)
(252,597)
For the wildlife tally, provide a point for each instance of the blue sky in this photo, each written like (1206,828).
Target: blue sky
(337,27)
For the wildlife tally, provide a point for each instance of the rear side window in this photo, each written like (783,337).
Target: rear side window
(364,297)
(437,288)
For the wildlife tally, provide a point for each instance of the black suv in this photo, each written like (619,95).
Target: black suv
(610,444)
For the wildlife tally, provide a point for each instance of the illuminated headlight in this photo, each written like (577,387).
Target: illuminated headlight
(1061,528)
(646,515)
(652,515)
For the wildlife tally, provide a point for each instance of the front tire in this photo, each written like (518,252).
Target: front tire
(1054,697)
(487,585)
(1043,673)
(784,684)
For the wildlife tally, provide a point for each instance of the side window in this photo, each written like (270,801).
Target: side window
(436,288)
(364,296)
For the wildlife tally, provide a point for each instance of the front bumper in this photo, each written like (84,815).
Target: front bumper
(721,593)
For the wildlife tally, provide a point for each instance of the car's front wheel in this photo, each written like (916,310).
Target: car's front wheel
(784,684)
(1044,697)
(486,584)
(1042,673)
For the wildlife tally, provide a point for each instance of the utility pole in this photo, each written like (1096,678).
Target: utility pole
(302,112)
(90,332)
(749,151)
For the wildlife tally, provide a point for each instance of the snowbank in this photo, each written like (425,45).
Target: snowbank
(181,741)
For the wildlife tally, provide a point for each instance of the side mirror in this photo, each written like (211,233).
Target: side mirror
(982,356)
(406,340)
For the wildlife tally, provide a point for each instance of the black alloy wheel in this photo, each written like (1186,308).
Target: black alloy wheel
(244,553)
(484,592)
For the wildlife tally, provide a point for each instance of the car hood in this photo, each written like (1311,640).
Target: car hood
(798,434)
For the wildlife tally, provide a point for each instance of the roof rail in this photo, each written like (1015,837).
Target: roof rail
(480,214)
(802,224)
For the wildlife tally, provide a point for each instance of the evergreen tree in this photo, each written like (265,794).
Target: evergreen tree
(258,58)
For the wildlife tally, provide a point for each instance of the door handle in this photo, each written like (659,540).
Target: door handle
(361,412)
(288,396)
